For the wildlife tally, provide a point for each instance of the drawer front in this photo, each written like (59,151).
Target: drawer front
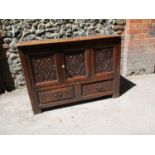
(56,95)
(97,87)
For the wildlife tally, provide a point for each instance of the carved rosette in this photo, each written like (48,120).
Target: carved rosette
(43,68)
(75,64)
(103,59)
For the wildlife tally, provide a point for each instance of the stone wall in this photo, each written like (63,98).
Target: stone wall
(14,31)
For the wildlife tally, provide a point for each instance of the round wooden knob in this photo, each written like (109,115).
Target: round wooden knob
(63,66)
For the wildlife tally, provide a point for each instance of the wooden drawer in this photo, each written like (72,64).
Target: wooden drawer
(97,87)
(56,95)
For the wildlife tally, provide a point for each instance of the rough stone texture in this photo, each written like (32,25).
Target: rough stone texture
(131,113)
(14,30)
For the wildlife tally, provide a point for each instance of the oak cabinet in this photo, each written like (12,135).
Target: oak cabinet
(63,71)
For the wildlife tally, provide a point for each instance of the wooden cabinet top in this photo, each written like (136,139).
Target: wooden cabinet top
(66,40)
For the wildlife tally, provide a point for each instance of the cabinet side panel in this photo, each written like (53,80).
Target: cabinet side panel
(116,85)
(28,78)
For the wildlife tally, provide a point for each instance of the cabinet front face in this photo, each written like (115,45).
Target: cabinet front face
(103,60)
(43,67)
(60,73)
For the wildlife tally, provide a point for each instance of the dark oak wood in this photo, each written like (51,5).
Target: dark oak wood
(116,66)
(63,71)
(96,87)
(66,40)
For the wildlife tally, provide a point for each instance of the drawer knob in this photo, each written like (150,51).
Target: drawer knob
(99,87)
(58,95)
(78,83)
(63,66)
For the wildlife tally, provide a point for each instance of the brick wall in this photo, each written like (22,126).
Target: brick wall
(138,47)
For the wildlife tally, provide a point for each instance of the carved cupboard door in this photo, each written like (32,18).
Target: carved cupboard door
(102,60)
(43,67)
(75,64)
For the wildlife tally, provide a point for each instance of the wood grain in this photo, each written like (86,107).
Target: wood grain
(65,40)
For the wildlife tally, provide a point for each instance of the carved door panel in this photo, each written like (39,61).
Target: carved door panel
(102,60)
(43,67)
(74,64)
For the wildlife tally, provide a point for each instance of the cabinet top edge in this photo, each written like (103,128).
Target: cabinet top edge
(66,40)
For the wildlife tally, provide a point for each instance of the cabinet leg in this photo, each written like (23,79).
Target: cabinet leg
(116,94)
(116,89)
(116,82)
(37,110)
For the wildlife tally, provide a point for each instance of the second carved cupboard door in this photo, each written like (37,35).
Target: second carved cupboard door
(74,64)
